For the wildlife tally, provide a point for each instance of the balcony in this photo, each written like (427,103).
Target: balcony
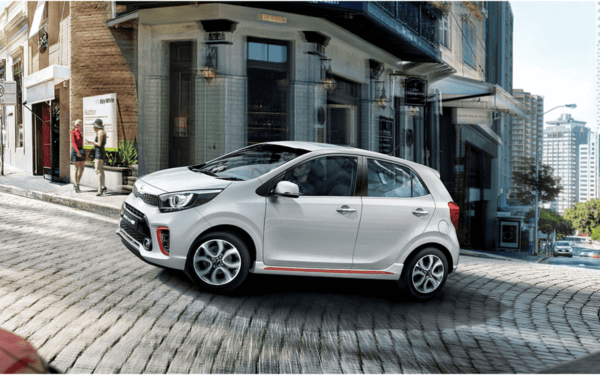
(417,16)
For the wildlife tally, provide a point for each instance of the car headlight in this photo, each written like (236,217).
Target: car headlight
(185,199)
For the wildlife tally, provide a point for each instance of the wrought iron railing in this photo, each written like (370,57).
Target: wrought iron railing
(418,16)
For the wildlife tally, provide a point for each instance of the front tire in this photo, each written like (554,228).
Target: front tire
(424,274)
(218,262)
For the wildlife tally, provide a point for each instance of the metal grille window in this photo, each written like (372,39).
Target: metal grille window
(469,44)
(17,68)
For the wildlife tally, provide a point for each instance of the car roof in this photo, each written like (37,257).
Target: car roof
(315,146)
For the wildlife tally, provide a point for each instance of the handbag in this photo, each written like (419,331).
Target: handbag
(92,155)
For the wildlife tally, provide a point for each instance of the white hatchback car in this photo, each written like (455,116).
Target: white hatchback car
(296,208)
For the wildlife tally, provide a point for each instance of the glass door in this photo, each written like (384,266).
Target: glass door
(181,119)
(341,125)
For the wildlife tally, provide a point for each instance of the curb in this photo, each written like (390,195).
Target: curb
(78,204)
(477,254)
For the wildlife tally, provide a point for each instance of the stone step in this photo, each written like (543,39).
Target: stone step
(130,180)
(127,188)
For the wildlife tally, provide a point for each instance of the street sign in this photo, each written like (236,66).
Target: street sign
(8,93)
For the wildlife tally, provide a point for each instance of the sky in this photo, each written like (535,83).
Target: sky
(554,55)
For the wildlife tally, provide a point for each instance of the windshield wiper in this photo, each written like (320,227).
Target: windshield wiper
(231,178)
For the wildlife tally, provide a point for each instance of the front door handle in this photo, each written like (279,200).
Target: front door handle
(420,212)
(346,210)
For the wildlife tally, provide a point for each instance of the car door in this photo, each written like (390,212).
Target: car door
(396,208)
(317,229)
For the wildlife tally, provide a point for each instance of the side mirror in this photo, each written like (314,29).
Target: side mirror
(287,189)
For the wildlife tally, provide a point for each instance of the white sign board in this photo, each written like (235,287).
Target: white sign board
(509,234)
(103,107)
(8,93)
(472,116)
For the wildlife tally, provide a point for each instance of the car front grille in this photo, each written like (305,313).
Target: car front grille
(134,211)
(139,237)
(146,198)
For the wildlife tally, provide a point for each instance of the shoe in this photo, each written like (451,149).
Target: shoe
(77,190)
(104,190)
(99,193)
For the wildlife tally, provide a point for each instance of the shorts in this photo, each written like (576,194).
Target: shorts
(74,156)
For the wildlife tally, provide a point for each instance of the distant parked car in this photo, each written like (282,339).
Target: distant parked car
(296,208)
(563,248)
(590,254)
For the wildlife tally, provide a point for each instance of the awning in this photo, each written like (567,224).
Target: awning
(431,72)
(39,86)
(461,92)
(37,18)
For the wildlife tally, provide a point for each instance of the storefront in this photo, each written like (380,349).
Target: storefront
(469,141)
(46,96)
(227,75)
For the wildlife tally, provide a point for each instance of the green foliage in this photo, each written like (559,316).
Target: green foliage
(126,156)
(548,187)
(584,216)
(549,221)
(595,233)
(128,152)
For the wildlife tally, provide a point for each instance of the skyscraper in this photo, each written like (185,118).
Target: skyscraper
(527,134)
(588,169)
(561,151)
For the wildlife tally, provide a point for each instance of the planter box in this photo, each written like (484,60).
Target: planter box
(113,177)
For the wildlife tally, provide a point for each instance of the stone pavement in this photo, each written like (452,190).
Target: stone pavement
(90,306)
(20,183)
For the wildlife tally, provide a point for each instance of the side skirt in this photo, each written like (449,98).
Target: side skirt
(391,273)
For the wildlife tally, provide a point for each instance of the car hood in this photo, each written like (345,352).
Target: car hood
(181,179)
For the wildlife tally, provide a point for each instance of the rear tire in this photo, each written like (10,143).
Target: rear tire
(218,262)
(425,274)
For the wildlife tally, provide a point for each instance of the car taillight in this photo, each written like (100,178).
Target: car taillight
(596,256)
(454,210)
(162,233)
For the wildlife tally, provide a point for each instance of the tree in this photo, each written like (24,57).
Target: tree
(584,216)
(595,233)
(549,221)
(548,186)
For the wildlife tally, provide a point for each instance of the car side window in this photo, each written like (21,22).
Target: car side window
(418,190)
(392,180)
(325,176)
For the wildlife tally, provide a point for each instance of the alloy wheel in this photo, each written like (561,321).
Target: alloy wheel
(428,274)
(217,262)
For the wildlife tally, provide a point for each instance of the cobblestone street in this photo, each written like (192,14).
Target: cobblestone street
(69,286)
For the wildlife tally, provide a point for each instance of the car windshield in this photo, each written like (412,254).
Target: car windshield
(563,244)
(249,163)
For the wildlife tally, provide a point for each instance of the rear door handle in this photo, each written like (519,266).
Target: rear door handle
(420,212)
(346,210)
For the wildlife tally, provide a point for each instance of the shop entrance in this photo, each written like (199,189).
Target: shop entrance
(181,105)
(47,139)
(343,114)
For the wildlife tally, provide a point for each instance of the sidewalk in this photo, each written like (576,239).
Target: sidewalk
(18,182)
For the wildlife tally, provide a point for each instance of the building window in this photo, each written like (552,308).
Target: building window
(17,69)
(445,31)
(469,44)
(268,75)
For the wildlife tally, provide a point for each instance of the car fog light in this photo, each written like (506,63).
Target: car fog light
(162,233)
(147,244)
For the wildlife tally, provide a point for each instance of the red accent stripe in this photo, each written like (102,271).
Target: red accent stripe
(160,243)
(328,271)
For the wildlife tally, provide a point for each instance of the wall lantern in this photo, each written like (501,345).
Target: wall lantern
(327,76)
(209,70)
(382,100)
